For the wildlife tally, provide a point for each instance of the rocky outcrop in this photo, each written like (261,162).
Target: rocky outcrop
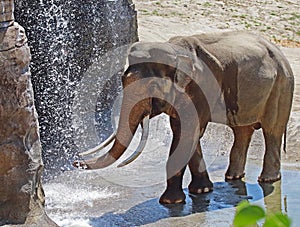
(21,192)
(66,38)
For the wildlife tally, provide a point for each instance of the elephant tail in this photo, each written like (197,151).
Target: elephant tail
(284,140)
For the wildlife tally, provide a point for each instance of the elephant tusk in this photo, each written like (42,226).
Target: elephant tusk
(141,145)
(100,146)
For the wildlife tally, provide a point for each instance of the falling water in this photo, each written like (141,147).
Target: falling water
(66,38)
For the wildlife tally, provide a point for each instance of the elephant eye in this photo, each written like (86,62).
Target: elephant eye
(153,87)
(139,92)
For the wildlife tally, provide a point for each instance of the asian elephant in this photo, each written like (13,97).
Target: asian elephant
(236,78)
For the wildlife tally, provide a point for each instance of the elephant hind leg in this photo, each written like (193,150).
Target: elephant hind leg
(200,180)
(238,153)
(274,126)
(271,164)
(273,130)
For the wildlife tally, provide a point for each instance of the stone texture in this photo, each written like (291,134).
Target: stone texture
(66,37)
(6,13)
(21,193)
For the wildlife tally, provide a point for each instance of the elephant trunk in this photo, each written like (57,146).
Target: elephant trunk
(142,144)
(131,116)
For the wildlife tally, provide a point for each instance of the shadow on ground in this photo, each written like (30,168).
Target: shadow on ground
(225,195)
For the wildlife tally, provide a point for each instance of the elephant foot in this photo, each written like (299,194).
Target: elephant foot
(269,178)
(234,176)
(200,184)
(172,197)
(234,173)
(199,190)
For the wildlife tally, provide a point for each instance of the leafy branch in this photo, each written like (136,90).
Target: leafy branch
(248,215)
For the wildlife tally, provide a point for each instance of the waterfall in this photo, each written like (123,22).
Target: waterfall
(66,38)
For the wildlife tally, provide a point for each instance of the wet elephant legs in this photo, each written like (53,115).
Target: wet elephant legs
(238,153)
(271,164)
(177,162)
(200,179)
(174,192)
(274,126)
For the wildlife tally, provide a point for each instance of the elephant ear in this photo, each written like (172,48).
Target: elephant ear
(184,71)
(195,65)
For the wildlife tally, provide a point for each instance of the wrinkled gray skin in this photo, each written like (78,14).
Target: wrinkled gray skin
(235,78)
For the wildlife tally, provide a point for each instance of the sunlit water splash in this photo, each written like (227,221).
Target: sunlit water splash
(66,38)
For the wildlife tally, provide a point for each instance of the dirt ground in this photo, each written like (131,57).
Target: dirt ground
(277,20)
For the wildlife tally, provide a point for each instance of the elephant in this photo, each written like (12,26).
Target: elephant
(236,78)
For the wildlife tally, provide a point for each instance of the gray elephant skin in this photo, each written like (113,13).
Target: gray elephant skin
(235,78)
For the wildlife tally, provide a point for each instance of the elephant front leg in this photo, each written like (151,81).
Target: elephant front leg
(174,192)
(200,180)
(178,159)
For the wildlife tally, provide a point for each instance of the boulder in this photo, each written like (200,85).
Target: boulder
(21,192)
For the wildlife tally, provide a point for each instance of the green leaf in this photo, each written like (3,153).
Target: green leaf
(242,205)
(248,215)
(277,220)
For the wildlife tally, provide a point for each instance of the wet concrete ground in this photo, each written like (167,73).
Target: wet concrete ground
(129,196)
(96,201)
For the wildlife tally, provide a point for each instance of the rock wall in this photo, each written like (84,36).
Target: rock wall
(21,193)
(66,37)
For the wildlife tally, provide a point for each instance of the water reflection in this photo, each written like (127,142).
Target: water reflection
(273,202)
(225,195)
